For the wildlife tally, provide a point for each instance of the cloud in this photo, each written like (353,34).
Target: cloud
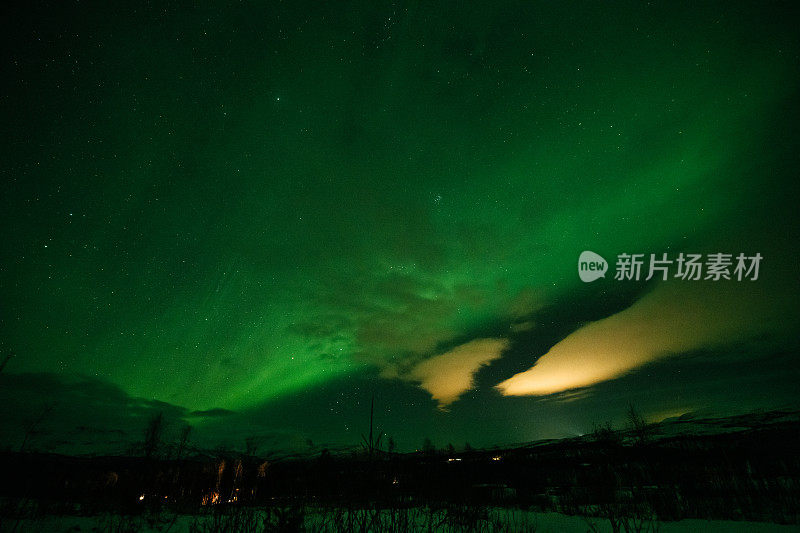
(79,414)
(674,317)
(447,376)
(526,302)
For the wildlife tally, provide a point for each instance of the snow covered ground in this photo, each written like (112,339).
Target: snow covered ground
(514,519)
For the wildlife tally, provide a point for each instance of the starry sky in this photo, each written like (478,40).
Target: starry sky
(254,217)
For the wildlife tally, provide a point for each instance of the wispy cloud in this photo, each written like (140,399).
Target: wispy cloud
(447,376)
(673,318)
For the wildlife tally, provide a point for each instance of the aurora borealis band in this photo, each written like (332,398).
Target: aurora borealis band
(253,217)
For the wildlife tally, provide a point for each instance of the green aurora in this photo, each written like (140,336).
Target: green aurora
(285,208)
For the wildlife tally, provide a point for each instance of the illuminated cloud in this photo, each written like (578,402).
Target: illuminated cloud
(674,318)
(447,376)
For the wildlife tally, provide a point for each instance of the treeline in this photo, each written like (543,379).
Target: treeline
(744,475)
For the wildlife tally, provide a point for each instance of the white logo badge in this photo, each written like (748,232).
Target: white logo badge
(591,266)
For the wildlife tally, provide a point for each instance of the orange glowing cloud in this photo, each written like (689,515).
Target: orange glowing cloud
(673,318)
(447,376)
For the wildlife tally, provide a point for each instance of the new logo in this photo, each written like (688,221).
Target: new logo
(591,266)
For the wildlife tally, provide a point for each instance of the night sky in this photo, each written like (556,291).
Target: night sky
(255,217)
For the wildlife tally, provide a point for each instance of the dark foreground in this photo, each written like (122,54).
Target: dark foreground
(737,469)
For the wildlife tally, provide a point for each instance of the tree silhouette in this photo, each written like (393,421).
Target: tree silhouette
(428,447)
(31,429)
(372,443)
(251,446)
(6,359)
(640,427)
(152,435)
(183,440)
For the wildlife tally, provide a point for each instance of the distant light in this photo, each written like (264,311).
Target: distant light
(141,497)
